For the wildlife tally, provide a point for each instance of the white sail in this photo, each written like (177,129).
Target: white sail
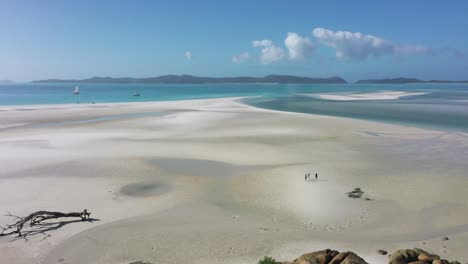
(77,90)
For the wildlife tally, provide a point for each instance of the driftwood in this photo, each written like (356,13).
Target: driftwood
(37,218)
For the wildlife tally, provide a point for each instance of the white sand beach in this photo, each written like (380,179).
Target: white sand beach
(217,181)
(383,95)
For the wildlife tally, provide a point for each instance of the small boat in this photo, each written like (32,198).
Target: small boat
(136,93)
(77,90)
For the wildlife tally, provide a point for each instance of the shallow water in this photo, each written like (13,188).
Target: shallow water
(417,111)
(439,106)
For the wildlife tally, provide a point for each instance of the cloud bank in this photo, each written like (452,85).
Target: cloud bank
(347,46)
(269,52)
(358,46)
(243,57)
(298,47)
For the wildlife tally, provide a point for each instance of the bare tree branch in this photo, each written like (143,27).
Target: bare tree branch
(38,218)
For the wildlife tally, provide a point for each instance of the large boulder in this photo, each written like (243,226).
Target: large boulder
(440,261)
(416,256)
(403,256)
(328,256)
(317,257)
(353,258)
(340,257)
(428,257)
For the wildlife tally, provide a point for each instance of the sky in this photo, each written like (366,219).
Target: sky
(352,39)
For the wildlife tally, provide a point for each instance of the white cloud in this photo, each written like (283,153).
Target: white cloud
(298,47)
(262,43)
(269,52)
(243,57)
(355,45)
(188,55)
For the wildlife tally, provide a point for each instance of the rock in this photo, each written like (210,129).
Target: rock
(339,258)
(347,257)
(353,258)
(403,256)
(440,261)
(328,256)
(421,251)
(356,193)
(318,257)
(428,257)
(382,252)
(445,238)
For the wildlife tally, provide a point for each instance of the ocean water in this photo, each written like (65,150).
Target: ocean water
(440,106)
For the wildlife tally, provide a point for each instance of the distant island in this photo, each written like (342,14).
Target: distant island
(5,81)
(189,79)
(280,79)
(405,80)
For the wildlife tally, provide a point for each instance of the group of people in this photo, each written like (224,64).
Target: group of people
(307,176)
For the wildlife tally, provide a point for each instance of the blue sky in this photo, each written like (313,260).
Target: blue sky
(352,39)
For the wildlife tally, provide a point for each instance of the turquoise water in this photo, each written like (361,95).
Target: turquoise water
(444,106)
(21,94)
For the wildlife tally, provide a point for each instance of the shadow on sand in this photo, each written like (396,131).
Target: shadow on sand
(313,180)
(44,228)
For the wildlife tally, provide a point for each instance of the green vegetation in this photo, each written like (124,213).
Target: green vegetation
(268,260)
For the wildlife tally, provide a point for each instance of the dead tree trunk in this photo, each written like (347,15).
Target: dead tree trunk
(37,218)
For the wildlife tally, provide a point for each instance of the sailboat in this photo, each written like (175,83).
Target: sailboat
(77,90)
(136,93)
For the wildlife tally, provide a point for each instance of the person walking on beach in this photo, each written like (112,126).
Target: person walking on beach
(316,176)
(305,177)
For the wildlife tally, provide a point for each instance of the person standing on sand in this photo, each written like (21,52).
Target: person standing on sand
(305,177)
(316,176)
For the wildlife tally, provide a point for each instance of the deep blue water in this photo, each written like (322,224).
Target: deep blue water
(444,106)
